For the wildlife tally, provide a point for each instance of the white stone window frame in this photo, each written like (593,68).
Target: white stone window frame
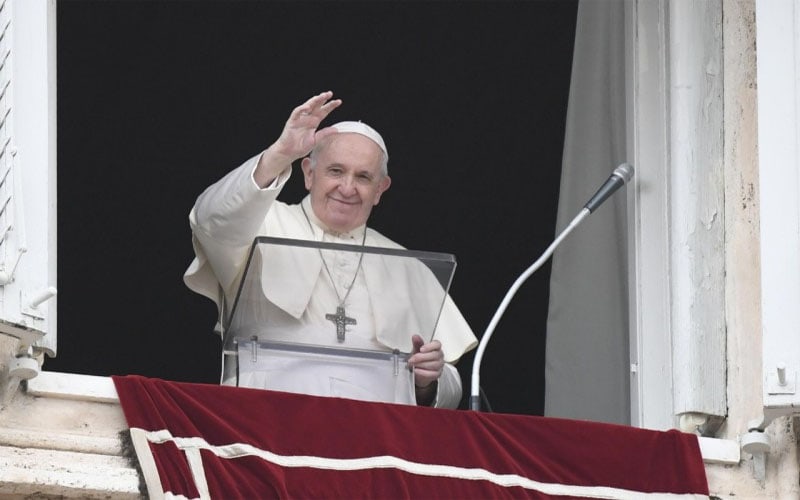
(671,384)
(778,41)
(27,185)
(675,126)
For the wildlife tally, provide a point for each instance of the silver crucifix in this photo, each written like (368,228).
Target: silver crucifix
(341,321)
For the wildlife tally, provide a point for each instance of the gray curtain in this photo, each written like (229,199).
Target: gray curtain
(587,363)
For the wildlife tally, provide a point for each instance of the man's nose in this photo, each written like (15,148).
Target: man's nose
(347,186)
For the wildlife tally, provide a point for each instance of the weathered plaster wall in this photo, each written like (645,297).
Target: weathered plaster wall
(8,347)
(742,282)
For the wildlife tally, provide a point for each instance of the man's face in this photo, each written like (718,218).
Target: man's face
(346,181)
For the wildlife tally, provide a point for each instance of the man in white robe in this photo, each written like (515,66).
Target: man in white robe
(345,174)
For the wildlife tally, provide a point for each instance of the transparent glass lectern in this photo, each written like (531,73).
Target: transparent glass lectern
(329,319)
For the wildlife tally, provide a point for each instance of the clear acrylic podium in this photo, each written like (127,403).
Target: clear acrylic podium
(289,329)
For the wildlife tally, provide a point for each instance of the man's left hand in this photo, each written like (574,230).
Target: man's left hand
(427,360)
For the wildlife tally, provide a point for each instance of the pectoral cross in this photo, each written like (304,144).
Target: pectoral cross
(341,321)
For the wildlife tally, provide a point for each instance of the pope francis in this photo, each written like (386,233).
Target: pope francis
(345,170)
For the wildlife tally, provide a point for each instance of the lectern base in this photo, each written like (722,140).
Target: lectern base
(321,371)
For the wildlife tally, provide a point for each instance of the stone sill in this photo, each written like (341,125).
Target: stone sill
(74,387)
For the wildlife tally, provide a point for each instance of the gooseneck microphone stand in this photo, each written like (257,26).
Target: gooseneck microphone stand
(621,175)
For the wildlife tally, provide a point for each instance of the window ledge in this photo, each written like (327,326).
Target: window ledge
(73,387)
(720,451)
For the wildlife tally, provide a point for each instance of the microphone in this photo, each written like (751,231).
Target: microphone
(621,175)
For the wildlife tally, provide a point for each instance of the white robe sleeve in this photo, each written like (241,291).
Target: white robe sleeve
(225,219)
(448,390)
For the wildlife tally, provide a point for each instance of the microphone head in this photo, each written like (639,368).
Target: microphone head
(624,172)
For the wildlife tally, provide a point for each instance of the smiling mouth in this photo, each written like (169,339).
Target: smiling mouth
(344,202)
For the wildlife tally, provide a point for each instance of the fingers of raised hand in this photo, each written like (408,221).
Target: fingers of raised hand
(300,132)
(316,108)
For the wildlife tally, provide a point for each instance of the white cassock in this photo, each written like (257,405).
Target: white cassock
(232,212)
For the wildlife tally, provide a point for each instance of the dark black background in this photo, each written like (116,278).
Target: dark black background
(156,100)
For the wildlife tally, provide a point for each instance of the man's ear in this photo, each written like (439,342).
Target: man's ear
(305,164)
(383,185)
